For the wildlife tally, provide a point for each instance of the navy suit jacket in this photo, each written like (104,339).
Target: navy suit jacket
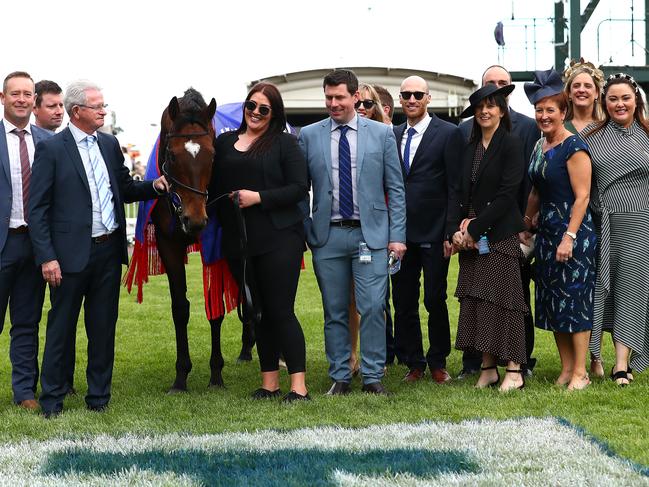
(528,132)
(60,206)
(432,184)
(6,193)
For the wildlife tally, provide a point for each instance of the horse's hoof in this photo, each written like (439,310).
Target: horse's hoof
(244,357)
(174,390)
(216,385)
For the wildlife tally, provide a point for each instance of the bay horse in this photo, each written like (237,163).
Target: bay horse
(185,158)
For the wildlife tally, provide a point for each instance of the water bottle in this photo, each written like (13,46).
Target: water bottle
(394,264)
(483,245)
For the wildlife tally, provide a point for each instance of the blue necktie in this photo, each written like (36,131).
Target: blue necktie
(103,190)
(406,150)
(345,194)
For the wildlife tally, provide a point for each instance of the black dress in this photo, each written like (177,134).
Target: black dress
(490,291)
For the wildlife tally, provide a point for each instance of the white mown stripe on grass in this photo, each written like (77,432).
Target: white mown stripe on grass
(528,451)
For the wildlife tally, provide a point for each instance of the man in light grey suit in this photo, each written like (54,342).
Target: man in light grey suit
(21,286)
(353,165)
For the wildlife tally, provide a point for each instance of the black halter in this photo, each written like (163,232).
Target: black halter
(174,198)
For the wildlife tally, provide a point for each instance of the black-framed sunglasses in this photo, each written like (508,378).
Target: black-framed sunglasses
(251,106)
(367,104)
(417,94)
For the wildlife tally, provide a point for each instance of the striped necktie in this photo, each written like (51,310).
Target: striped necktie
(25,168)
(345,192)
(103,190)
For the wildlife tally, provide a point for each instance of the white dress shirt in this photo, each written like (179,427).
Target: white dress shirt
(420,127)
(17,217)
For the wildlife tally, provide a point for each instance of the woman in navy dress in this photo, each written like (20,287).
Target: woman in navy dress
(561,172)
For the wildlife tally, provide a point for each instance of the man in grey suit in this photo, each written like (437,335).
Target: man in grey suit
(524,128)
(353,165)
(21,284)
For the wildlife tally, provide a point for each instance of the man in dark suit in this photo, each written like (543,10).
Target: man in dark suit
(48,106)
(526,129)
(21,284)
(429,150)
(78,230)
(353,163)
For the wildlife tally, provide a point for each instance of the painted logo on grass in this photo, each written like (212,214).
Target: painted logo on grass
(513,452)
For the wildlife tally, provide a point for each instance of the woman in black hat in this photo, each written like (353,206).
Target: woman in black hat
(484,228)
(565,248)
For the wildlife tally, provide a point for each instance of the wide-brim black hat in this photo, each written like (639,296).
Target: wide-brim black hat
(546,83)
(487,91)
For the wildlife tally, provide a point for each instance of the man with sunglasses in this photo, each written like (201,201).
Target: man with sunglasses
(78,229)
(429,151)
(526,129)
(353,163)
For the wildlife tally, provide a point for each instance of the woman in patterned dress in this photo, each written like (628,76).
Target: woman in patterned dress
(561,172)
(583,87)
(619,147)
(489,288)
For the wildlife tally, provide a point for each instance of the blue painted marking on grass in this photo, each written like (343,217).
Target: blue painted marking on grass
(280,467)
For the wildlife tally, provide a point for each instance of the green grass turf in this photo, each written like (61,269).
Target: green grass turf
(144,369)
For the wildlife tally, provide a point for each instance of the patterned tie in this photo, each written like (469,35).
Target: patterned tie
(105,196)
(345,193)
(25,168)
(406,150)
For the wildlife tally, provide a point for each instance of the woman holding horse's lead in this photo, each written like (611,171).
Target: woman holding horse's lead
(263,166)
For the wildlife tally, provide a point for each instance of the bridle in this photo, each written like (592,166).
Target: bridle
(174,199)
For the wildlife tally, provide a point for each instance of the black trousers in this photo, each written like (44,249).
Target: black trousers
(22,288)
(275,276)
(473,361)
(405,299)
(97,288)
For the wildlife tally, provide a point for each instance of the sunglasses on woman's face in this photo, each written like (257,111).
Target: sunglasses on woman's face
(417,94)
(251,106)
(367,104)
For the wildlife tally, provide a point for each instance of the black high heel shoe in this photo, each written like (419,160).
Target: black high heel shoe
(620,374)
(516,371)
(491,384)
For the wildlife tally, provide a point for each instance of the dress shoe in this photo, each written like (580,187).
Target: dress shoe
(466,373)
(440,376)
(375,388)
(262,393)
(339,389)
(413,375)
(30,404)
(71,391)
(294,396)
(52,414)
(100,408)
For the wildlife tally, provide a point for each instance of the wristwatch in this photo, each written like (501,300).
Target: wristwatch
(572,235)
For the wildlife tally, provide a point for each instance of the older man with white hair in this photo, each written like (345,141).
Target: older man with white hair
(78,231)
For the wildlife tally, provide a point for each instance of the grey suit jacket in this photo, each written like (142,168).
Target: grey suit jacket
(6,193)
(378,174)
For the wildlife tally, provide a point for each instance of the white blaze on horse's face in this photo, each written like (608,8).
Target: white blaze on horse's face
(193,148)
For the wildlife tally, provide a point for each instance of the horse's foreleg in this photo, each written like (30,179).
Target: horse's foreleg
(216,359)
(247,341)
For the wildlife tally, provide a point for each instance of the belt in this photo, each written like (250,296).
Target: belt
(102,238)
(346,223)
(18,230)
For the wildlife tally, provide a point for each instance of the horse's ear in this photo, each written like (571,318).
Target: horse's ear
(211,109)
(173,108)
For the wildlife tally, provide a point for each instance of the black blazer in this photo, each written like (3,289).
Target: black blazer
(60,206)
(495,192)
(526,129)
(432,184)
(285,184)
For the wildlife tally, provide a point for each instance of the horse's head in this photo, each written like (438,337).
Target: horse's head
(186,157)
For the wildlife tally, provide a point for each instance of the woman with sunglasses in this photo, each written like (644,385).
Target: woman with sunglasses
(265,168)
(619,147)
(484,228)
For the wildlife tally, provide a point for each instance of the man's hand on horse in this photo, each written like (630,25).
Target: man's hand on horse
(247,198)
(52,272)
(161,185)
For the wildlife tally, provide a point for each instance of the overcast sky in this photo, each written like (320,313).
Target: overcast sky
(143,53)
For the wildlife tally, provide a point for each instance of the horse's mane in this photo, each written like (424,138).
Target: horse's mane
(190,110)
(191,101)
